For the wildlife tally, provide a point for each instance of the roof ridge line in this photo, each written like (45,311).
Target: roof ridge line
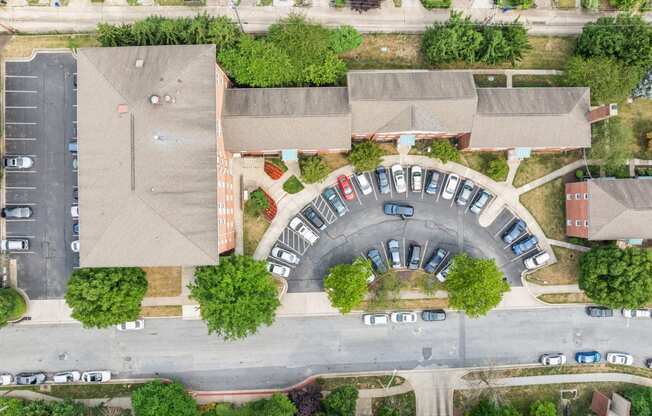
(97,69)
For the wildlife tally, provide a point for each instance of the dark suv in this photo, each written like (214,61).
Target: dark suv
(383,179)
(314,218)
(435,260)
(401,210)
(433,315)
(334,200)
(377,261)
(599,312)
(415,257)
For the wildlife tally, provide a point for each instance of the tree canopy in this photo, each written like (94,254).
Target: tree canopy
(486,407)
(475,285)
(617,278)
(346,284)
(100,297)
(236,296)
(641,399)
(610,80)
(344,39)
(444,151)
(313,169)
(341,401)
(365,155)
(18,407)
(613,142)
(11,305)
(156,398)
(543,408)
(277,405)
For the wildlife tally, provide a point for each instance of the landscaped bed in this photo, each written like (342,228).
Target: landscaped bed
(564,298)
(292,185)
(481,162)
(21,46)
(537,81)
(546,204)
(20,307)
(364,382)
(490,80)
(553,370)
(163,281)
(404,404)
(638,117)
(564,272)
(254,229)
(161,311)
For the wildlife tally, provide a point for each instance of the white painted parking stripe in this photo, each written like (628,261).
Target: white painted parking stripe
(382,244)
(21,139)
(423,253)
(22,91)
(371,180)
(20,203)
(511,219)
(355,191)
(20,220)
(524,254)
(27,107)
(26,188)
(19,171)
(19,236)
(440,186)
(22,252)
(21,76)
(21,123)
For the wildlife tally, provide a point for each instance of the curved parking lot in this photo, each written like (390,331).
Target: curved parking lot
(437,223)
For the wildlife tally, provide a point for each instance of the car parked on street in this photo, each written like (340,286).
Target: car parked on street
(465,194)
(435,260)
(537,260)
(66,377)
(30,378)
(278,269)
(16,212)
(14,244)
(394,253)
(363,183)
(514,232)
(403,317)
(648,363)
(18,162)
(346,187)
(451,186)
(74,211)
(636,313)
(334,201)
(374,319)
(525,245)
(599,312)
(588,357)
(399,178)
(383,179)
(74,246)
(285,255)
(96,376)
(443,273)
(620,358)
(315,219)
(6,379)
(432,315)
(433,183)
(480,201)
(302,229)
(136,325)
(398,209)
(416,178)
(377,261)
(75,228)
(553,359)
(415,257)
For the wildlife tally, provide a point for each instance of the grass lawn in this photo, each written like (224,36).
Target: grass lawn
(565,369)
(92,391)
(566,4)
(21,46)
(292,185)
(388,148)
(424,303)
(547,204)
(160,311)
(404,404)
(540,164)
(163,281)
(365,382)
(20,306)
(254,228)
(562,298)
(490,80)
(564,272)
(537,81)
(479,161)
(638,116)
(334,161)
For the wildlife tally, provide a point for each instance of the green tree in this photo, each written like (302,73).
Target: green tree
(592,5)
(341,401)
(344,39)
(257,203)
(100,297)
(7,305)
(156,398)
(454,40)
(543,408)
(444,151)
(236,296)
(610,81)
(498,169)
(386,410)
(313,169)
(495,47)
(475,285)
(277,405)
(365,155)
(617,278)
(346,284)
(641,399)
(486,407)
(625,5)
(613,142)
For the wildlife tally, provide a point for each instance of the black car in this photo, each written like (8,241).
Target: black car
(377,261)
(648,363)
(334,200)
(314,218)
(433,183)
(415,257)
(599,312)
(435,260)
(383,179)
(433,315)
(401,210)
(514,231)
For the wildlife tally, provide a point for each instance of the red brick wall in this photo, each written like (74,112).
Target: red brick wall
(577,209)
(225,199)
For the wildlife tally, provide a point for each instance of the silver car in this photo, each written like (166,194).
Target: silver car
(18,162)
(451,186)
(278,269)
(285,255)
(394,253)
(465,193)
(14,244)
(30,378)
(399,178)
(16,212)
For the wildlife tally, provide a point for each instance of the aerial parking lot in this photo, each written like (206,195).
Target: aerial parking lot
(441,220)
(40,132)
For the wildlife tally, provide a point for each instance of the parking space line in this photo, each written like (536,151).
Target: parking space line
(21,123)
(21,76)
(357,195)
(471,198)
(19,171)
(440,186)
(373,188)
(405,254)
(525,254)
(423,253)
(23,188)
(22,91)
(341,195)
(423,182)
(22,252)
(20,203)
(511,219)
(19,236)
(382,244)
(28,107)
(21,139)
(20,220)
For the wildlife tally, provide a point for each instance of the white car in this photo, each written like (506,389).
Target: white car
(537,260)
(6,379)
(416,178)
(66,377)
(14,244)
(451,186)
(553,359)
(97,376)
(300,227)
(285,255)
(74,246)
(278,269)
(131,325)
(374,319)
(399,178)
(403,317)
(74,211)
(620,358)
(19,162)
(636,313)
(363,182)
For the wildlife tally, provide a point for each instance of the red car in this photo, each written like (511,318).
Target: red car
(346,187)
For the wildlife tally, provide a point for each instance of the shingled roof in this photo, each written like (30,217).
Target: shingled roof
(147,173)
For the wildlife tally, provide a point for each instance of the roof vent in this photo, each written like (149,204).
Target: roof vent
(154,99)
(139,63)
(123,108)
(169,99)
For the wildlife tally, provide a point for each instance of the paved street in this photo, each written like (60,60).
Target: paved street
(294,348)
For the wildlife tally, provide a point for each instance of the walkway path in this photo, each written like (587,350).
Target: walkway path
(571,167)
(567,245)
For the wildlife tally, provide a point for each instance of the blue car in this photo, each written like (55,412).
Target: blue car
(587,357)
(514,231)
(525,245)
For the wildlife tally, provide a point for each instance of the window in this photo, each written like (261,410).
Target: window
(586,223)
(578,223)
(569,222)
(578,196)
(569,197)
(586,196)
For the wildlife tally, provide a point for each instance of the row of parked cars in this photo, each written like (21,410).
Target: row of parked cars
(604,312)
(591,357)
(403,317)
(35,378)
(18,212)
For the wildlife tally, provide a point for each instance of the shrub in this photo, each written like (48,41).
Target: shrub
(257,203)
(436,4)
(346,284)
(592,5)
(609,80)
(498,169)
(444,151)
(155,398)
(12,305)
(365,155)
(641,399)
(307,399)
(341,401)
(344,39)
(543,408)
(292,185)
(313,169)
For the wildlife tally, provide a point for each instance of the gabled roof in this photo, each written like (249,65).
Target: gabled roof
(271,119)
(532,117)
(397,101)
(620,209)
(147,173)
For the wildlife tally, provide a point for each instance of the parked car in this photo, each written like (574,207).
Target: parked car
(514,231)
(443,273)
(96,376)
(394,253)
(136,325)
(30,378)
(620,358)
(451,186)
(66,377)
(377,261)
(415,257)
(537,260)
(525,245)
(636,313)
(285,255)
(334,201)
(72,147)
(314,218)
(365,186)
(588,357)
(403,317)
(373,319)
(74,211)
(435,260)
(648,363)
(75,194)
(300,227)
(6,379)
(433,183)
(599,312)
(416,178)
(18,162)
(278,269)
(553,359)
(16,212)
(75,228)
(74,246)
(431,315)
(399,178)
(465,194)
(383,179)
(398,209)
(14,244)
(480,201)
(346,187)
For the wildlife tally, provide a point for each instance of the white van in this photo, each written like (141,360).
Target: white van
(66,377)
(537,260)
